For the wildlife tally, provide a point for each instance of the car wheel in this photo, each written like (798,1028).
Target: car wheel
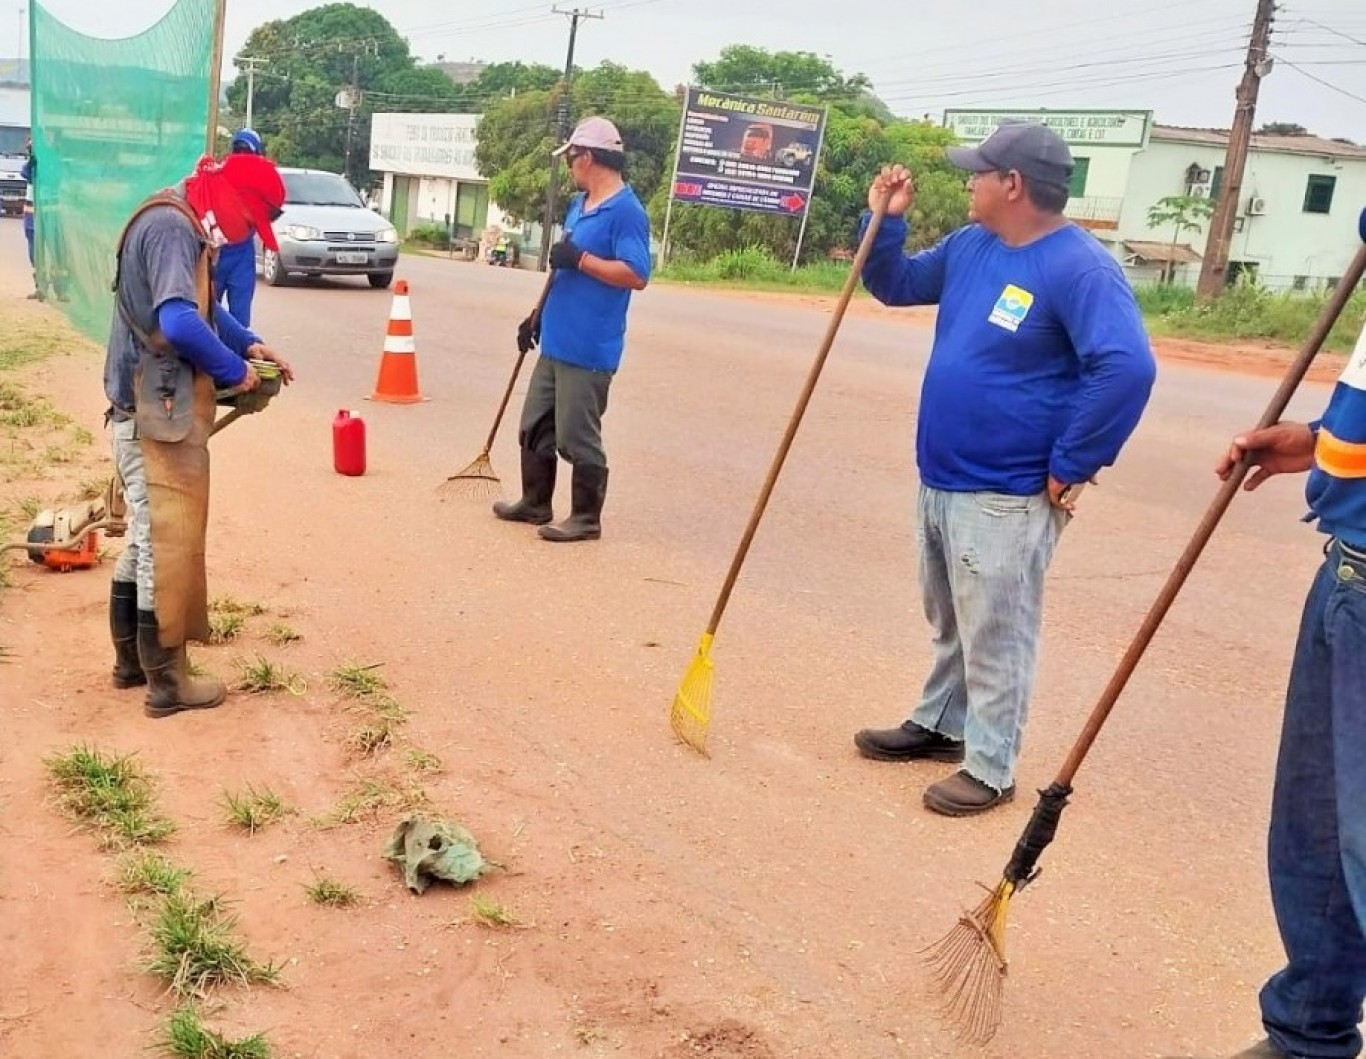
(380,280)
(272,271)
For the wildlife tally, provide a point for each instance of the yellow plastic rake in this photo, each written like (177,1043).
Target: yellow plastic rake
(691,712)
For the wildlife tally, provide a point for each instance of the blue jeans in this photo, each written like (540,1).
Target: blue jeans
(235,277)
(982,562)
(1317,849)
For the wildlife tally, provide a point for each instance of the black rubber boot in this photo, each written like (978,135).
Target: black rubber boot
(585,521)
(538,490)
(123,630)
(170,686)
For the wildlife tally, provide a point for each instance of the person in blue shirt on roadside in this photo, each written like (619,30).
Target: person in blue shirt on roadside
(234,277)
(603,257)
(1039,373)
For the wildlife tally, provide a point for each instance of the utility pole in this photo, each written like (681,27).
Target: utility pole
(250,64)
(562,126)
(216,74)
(1214,268)
(351,110)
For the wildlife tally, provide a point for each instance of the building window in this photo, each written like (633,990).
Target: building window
(1217,184)
(1238,270)
(1318,194)
(1300,283)
(1076,188)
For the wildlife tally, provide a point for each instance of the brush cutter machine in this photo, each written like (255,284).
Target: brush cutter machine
(68,538)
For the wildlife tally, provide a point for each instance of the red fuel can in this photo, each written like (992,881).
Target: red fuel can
(348,443)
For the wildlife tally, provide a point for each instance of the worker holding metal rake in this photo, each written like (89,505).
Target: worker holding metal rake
(1317,851)
(603,257)
(1039,373)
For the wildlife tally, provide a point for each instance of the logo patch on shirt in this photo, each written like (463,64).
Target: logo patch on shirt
(1011,308)
(1354,374)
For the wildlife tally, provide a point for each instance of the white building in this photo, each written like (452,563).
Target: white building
(429,173)
(1296,219)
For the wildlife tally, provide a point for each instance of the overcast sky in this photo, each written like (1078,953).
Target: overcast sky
(1180,60)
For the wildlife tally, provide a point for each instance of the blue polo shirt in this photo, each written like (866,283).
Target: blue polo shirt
(584,320)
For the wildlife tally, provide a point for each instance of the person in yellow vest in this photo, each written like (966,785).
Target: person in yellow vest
(171,346)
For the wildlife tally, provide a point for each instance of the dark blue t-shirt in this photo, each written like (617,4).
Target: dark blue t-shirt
(584,320)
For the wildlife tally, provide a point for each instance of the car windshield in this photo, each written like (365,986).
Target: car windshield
(319,189)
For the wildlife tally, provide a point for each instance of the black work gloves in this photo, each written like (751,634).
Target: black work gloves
(529,332)
(565,254)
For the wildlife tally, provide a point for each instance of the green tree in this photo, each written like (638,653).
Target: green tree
(747,70)
(517,133)
(1185,213)
(313,56)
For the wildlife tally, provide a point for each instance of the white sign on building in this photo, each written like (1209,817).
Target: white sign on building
(1079,128)
(431,145)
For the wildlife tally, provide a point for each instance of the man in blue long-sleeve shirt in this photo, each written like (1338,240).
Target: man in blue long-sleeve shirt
(1039,373)
(171,346)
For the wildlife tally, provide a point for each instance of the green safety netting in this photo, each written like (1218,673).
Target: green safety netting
(113,121)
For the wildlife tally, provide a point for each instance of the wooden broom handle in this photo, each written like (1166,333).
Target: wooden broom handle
(855,269)
(517,367)
(1222,499)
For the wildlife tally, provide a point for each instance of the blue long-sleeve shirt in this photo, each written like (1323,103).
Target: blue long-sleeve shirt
(219,356)
(1040,364)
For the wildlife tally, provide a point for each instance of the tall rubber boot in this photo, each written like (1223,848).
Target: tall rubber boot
(585,521)
(123,630)
(538,490)
(170,686)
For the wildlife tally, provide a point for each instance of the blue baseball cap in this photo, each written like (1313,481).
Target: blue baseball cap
(246,141)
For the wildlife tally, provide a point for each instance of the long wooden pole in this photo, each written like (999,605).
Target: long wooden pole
(216,75)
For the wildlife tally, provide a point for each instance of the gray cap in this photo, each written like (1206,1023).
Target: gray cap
(1035,151)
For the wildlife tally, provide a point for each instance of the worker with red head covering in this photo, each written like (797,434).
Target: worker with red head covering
(171,346)
(234,278)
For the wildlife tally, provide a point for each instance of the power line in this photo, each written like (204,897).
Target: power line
(1326,84)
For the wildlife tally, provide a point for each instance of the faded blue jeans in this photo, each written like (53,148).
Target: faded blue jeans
(982,562)
(1317,849)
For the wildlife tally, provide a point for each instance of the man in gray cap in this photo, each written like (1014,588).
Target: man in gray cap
(603,256)
(1039,373)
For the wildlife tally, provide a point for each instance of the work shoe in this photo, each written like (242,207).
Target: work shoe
(1263,1049)
(538,491)
(123,630)
(170,687)
(910,742)
(585,520)
(964,795)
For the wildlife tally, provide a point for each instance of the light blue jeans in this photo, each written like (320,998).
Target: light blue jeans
(982,562)
(135,561)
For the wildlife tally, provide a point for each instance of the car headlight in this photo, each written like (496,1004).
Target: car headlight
(387,235)
(303,233)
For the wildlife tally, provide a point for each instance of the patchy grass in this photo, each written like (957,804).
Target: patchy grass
(148,872)
(281,634)
(360,682)
(372,738)
(371,796)
(333,894)
(230,605)
(195,947)
(756,268)
(490,913)
(252,809)
(264,676)
(225,626)
(422,760)
(186,1037)
(92,489)
(1248,311)
(109,795)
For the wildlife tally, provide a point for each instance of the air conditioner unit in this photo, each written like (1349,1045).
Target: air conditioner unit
(1201,191)
(1256,206)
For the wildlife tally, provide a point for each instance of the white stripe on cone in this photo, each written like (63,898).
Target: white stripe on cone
(402,309)
(399,344)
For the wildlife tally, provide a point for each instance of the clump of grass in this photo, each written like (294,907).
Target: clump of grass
(92,489)
(195,947)
(360,682)
(387,707)
(369,797)
(333,894)
(230,605)
(82,436)
(281,634)
(186,1037)
(264,675)
(422,760)
(149,872)
(252,809)
(372,738)
(110,795)
(225,626)
(29,506)
(491,913)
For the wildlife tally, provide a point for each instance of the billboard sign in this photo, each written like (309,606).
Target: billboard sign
(747,154)
(1078,128)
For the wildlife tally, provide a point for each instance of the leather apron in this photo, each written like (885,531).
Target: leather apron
(174,408)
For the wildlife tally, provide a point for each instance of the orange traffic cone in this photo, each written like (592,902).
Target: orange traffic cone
(397,382)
